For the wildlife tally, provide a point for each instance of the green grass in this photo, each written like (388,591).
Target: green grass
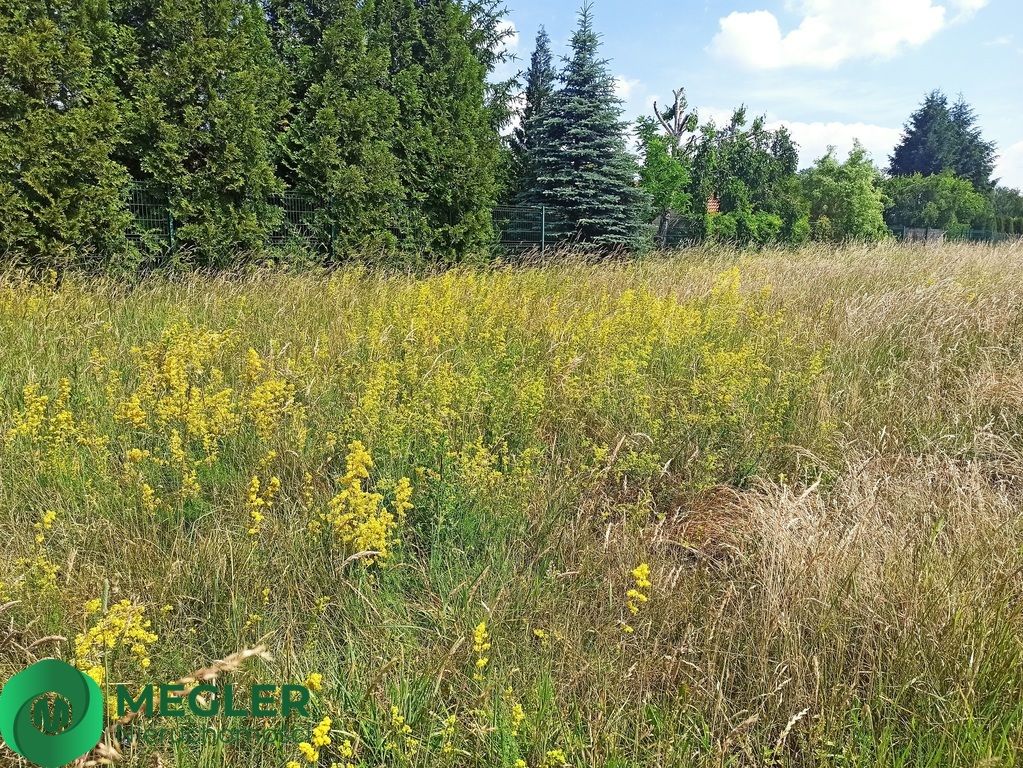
(817,452)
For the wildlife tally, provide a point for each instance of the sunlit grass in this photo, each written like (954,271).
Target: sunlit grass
(707,509)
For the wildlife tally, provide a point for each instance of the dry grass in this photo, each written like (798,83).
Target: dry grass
(822,468)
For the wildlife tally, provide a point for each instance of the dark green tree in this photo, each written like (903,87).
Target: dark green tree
(445,140)
(336,149)
(751,172)
(207,97)
(940,138)
(488,35)
(974,158)
(540,85)
(62,195)
(585,174)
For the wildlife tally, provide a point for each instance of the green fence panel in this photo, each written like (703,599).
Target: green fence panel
(303,222)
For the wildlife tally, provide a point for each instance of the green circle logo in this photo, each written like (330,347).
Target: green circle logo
(51,714)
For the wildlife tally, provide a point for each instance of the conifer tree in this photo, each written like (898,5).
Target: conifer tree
(584,172)
(974,158)
(337,148)
(938,138)
(207,99)
(62,196)
(541,82)
(445,141)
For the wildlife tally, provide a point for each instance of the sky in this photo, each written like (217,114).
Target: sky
(830,70)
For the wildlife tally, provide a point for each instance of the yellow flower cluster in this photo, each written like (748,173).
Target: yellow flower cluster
(321,733)
(408,743)
(179,414)
(253,366)
(358,519)
(518,717)
(39,573)
(314,682)
(635,596)
(258,500)
(480,646)
(29,422)
(44,525)
(398,722)
(123,626)
(321,738)
(346,751)
(447,733)
(179,388)
(268,403)
(50,428)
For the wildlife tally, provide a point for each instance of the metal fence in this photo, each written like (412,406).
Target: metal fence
(520,228)
(299,222)
(152,222)
(516,228)
(938,235)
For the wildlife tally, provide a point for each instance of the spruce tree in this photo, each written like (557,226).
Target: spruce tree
(207,99)
(584,172)
(62,196)
(974,158)
(336,149)
(541,82)
(939,138)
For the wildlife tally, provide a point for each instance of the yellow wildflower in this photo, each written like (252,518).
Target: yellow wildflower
(359,518)
(321,733)
(268,403)
(480,645)
(635,596)
(518,716)
(44,525)
(310,754)
(314,682)
(123,626)
(28,423)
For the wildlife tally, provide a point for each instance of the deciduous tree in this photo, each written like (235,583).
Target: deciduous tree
(845,198)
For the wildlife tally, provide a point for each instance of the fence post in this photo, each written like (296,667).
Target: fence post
(543,229)
(170,226)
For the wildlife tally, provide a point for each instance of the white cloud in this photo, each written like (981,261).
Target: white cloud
(833,31)
(719,115)
(815,138)
(510,43)
(968,6)
(626,87)
(1010,166)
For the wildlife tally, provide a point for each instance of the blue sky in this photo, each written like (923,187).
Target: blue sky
(831,70)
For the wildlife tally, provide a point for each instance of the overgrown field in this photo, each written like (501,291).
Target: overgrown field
(707,510)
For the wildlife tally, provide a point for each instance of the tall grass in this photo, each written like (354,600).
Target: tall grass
(817,452)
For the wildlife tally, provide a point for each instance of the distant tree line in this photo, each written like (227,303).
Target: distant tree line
(939,176)
(385,115)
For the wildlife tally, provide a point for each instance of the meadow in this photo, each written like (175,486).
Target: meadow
(711,508)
